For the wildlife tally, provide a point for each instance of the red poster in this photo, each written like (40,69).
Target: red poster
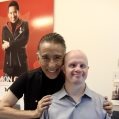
(38,17)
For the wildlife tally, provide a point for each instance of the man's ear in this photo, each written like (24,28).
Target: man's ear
(38,56)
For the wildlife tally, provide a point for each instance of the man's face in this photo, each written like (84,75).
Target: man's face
(75,68)
(13,14)
(51,58)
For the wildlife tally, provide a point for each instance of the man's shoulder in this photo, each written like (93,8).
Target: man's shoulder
(96,96)
(34,72)
(25,22)
(4,27)
(59,94)
(22,22)
(31,75)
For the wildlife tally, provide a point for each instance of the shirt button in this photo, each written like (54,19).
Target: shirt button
(76,105)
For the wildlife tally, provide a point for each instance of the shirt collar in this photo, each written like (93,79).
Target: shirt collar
(62,93)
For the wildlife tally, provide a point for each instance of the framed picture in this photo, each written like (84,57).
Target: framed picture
(39,17)
(115,90)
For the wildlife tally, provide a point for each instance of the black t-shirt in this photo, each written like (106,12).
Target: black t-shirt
(34,85)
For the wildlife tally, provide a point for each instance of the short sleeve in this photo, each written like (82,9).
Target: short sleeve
(18,87)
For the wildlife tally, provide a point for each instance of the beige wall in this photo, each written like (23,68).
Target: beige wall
(93,26)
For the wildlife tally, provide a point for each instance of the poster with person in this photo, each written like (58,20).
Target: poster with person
(22,24)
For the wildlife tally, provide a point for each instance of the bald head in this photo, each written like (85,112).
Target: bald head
(77,54)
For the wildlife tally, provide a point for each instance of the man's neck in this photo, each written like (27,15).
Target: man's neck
(76,92)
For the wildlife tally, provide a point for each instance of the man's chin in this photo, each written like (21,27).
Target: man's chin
(13,21)
(52,75)
(77,81)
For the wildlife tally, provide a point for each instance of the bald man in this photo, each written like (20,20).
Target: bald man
(75,100)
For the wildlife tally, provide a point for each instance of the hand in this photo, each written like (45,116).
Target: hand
(43,104)
(108,106)
(5,45)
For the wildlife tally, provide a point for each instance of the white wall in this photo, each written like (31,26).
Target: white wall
(92,26)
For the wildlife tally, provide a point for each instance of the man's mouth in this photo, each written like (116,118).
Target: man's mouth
(52,71)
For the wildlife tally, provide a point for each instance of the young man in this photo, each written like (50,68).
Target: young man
(75,100)
(14,39)
(46,80)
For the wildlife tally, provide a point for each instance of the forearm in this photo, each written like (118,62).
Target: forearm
(19,42)
(11,113)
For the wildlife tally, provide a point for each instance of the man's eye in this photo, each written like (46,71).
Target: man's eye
(72,65)
(45,58)
(83,66)
(57,58)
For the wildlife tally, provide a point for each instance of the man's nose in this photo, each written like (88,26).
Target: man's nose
(51,63)
(12,15)
(78,68)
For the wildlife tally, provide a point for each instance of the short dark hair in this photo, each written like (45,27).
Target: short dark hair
(15,4)
(53,37)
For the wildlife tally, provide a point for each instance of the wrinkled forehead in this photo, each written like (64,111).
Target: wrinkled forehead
(51,48)
(75,56)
